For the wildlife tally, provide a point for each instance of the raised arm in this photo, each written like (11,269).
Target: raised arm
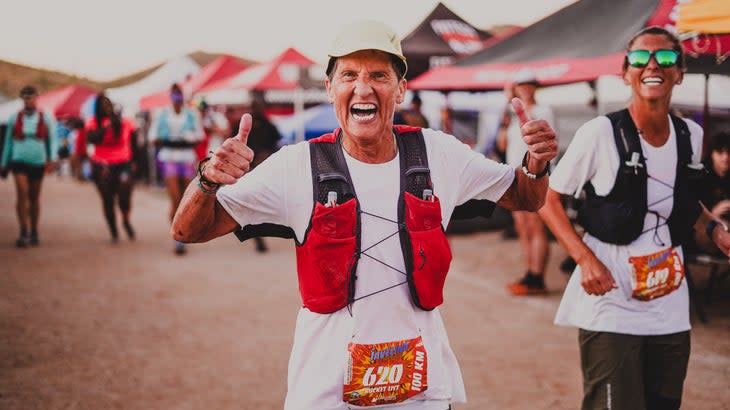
(200,218)
(527,192)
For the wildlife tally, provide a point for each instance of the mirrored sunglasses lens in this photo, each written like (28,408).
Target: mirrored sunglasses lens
(666,58)
(638,58)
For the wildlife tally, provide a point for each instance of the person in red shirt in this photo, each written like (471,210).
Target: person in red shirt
(112,143)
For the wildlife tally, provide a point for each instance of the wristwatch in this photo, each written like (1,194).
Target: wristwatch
(711,227)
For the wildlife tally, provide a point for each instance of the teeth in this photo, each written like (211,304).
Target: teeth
(652,80)
(364,116)
(363,111)
(363,106)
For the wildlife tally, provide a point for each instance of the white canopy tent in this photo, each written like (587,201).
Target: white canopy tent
(173,71)
(9,108)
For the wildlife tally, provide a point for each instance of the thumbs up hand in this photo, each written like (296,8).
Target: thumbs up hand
(232,159)
(539,136)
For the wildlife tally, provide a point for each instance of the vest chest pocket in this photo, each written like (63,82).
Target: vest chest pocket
(327,256)
(430,251)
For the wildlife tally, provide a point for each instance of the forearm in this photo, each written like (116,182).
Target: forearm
(525,193)
(555,217)
(531,191)
(199,217)
(703,220)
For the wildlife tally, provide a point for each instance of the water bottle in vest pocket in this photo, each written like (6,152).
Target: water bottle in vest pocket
(430,251)
(327,257)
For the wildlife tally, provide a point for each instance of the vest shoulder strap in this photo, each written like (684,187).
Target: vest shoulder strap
(329,170)
(625,135)
(415,173)
(684,145)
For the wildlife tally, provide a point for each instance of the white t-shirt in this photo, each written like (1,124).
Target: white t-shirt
(280,191)
(516,146)
(175,123)
(592,156)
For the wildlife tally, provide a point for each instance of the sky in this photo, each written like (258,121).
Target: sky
(103,39)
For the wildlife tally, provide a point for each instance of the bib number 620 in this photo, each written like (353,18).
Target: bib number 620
(378,376)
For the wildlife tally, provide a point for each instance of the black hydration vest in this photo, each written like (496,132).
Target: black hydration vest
(618,217)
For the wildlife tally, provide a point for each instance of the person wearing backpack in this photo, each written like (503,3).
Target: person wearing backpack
(639,168)
(30,152)
(177,130)
(112,162)
(367,206)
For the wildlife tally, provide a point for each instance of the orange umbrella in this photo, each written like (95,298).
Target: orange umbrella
(705,16)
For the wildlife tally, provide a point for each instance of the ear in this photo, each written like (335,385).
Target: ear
(330,92)
(625,78)
(680,79)
(401,91)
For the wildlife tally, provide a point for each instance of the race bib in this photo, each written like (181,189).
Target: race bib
(657,274)
(385,373)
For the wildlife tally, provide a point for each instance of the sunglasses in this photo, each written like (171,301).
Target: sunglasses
(664,58)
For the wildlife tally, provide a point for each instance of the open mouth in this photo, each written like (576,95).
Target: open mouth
(652,81)
(363,112)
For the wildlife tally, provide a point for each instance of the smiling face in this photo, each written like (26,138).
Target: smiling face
(365,90)
(652,82)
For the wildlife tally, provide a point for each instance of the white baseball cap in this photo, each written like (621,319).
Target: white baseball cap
(366,35)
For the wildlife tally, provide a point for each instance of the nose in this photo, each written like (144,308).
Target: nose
(363,88)
(652,62)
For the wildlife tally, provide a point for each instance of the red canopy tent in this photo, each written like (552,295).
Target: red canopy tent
(220,69)
(66,101)
(281,73)
(577,43)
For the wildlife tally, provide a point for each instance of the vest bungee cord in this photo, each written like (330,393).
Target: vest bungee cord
(363,252)
(660,220)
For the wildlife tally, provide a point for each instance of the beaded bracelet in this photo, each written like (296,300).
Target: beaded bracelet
(205,190)
(202,180)
(530,174)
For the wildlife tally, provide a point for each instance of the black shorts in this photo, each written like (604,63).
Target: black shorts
(32,171)
(627,372)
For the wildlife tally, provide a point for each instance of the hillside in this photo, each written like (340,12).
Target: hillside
(14,76)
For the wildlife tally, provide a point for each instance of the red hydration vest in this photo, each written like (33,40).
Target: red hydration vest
(41,129)
(327,258)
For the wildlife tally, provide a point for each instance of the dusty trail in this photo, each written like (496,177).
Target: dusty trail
(85,324)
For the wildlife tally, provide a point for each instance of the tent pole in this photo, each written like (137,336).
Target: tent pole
(593,103)
(706,119)
(298,109)
(446,115)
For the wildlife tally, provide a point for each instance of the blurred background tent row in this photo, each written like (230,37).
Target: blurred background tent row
(459,72)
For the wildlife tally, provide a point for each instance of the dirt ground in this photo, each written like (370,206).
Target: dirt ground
(85,324)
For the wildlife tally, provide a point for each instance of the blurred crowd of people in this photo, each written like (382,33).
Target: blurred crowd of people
(110,150)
